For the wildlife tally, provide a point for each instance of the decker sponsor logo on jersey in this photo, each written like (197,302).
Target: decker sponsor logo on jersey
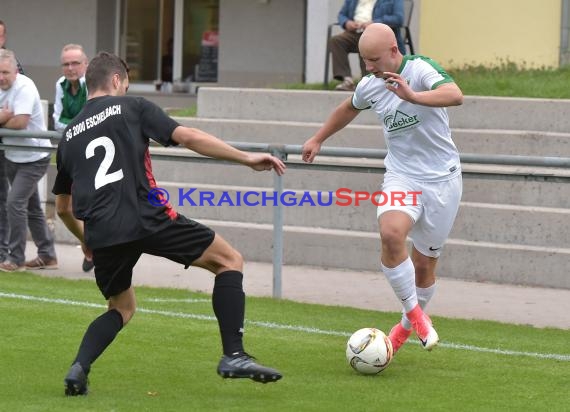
(93,121)
(399,121)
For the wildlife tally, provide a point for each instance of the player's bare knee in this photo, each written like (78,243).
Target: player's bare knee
(127,313)
(61,212)
(223,259)
(124,303)
(392,236)
(233,260)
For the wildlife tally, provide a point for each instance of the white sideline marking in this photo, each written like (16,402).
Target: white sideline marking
(272,325)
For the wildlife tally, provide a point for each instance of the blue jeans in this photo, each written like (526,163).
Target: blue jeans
(24,209)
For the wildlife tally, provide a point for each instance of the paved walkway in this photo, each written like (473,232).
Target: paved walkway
(541,307)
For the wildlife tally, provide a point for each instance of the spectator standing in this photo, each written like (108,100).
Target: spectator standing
(4,185)
(70,89)
(21,109)
(70,97)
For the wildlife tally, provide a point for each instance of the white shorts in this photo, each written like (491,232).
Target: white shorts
(433,210)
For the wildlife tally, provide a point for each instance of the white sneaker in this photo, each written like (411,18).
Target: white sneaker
(347,85)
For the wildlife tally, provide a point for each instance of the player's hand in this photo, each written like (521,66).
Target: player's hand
(86,251)
(399,86)
(310,150)
(265,161)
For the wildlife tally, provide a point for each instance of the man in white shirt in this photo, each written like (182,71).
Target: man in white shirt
(4,185)
(20,108)
(409,94)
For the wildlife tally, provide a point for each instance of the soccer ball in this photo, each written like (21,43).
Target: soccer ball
(369,351)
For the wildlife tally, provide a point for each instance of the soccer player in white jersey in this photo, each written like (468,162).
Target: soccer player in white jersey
(409,94)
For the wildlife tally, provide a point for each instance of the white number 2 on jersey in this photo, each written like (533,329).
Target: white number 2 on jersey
(102,178)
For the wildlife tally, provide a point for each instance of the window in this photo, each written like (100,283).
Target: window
(147,39)
(200,51)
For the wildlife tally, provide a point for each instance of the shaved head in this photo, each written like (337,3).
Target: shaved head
(379,49)
(377,37)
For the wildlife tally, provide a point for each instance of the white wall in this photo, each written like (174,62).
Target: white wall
(261,42)
(38,38)
(38,29)
(320,13)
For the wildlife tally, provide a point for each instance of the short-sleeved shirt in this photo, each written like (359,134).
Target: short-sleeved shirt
(103,161)
(418,138)
(23,98)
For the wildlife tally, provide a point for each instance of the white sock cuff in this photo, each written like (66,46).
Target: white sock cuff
(426,293)
(405,267)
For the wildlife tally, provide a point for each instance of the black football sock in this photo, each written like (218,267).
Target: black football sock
(228,301)
(98,336)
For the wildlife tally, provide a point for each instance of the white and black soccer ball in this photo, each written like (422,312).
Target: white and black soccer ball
(369,351)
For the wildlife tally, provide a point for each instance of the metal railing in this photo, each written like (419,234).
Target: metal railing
(555,169)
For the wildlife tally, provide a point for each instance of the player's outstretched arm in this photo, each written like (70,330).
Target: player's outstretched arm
(338,119)
(209,145)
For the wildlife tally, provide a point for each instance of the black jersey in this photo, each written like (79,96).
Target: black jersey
(103,161)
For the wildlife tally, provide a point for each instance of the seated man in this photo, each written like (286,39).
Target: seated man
(354,17)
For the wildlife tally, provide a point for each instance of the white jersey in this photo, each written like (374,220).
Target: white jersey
(417,137)
(23,98)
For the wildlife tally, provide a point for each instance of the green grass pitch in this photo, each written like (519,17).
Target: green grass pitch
(165,359)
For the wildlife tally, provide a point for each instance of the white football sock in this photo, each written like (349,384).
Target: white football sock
(424,296)
(402,280)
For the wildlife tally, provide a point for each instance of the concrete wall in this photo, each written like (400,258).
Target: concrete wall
(320,13)
(261,42)
(465,32)
(38,29)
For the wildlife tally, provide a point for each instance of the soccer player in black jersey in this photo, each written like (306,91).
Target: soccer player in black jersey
(104,178)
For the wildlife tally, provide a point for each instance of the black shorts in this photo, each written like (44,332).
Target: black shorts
(183,241)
